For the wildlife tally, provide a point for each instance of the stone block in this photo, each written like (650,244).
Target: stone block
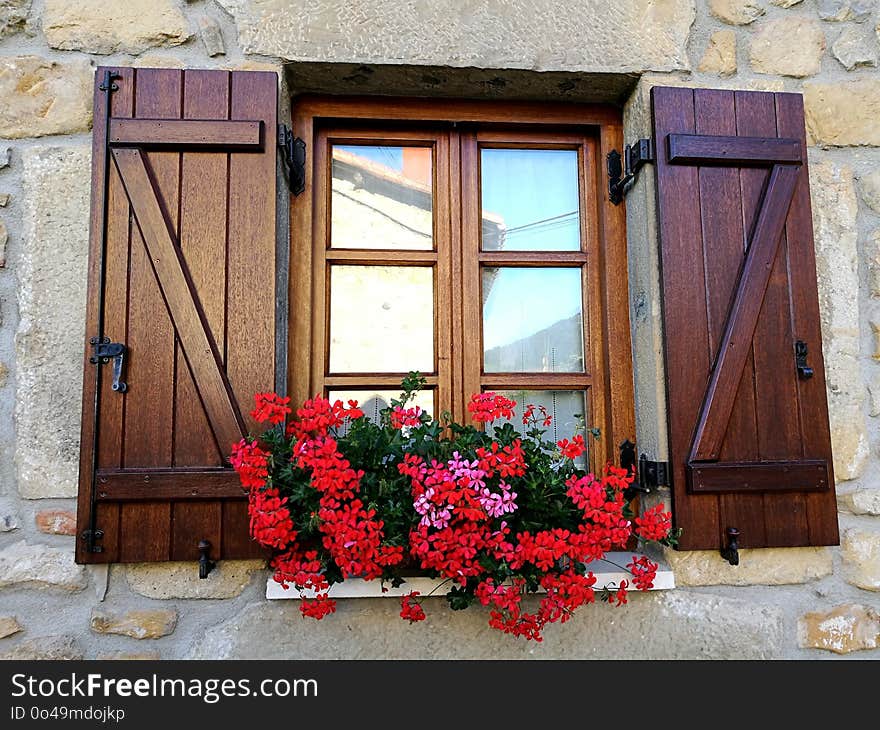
(8,626)
(736,12)
(788,46)
(720,55)
(768,567)
(676,624)
(844,629)
(40,566)
(860,551)
(211,35)
(42,97)
(13,16)
(95,26)
(869,189)
(835,207)
(56,522)
(540,35)
(843,113)
(854,49)
(51,330)
(136,624)
(181,580)
(835,11)
(45,648)
(862,501)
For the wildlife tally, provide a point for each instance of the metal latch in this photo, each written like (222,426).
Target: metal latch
(621,175)
(293,158)
(804,371)
(104,352)
(652,474)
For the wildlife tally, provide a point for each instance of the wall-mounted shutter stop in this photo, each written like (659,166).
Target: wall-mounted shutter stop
(293,159)
(652,474)
(622,172)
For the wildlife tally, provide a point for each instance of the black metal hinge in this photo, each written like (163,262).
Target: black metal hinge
(293,159)
(90,537)
(652,474)
(622,174)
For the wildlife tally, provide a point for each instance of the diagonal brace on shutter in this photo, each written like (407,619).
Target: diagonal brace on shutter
(706,474)
(181,299)
(743,317)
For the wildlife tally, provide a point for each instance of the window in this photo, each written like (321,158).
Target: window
(446,239)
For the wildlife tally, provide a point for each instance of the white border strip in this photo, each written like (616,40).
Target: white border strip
(607,574)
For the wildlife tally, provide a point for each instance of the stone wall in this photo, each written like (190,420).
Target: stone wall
(810,603)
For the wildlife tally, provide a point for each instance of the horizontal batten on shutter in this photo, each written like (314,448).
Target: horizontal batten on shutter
(779,476)
(702,149)
(138,485)
(239,136)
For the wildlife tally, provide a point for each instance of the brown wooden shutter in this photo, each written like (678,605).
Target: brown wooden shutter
(749,440)
(188,271)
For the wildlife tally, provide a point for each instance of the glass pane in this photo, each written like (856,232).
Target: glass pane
(566,407)
(530,200)
(382,197)
(532,320)
(381,319)
(371,402)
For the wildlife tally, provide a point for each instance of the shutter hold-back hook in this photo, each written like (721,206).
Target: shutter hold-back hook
(731,552)
(206,565)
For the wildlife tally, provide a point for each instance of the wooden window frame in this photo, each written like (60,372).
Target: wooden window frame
(597,128)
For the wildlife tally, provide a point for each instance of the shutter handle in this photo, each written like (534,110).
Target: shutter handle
(731,552)
(206,565)
(804,371)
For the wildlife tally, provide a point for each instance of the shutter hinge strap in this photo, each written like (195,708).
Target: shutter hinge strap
(293,159)
(622,174)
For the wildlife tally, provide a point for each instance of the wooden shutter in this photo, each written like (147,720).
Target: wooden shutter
(186,272)
(749,440)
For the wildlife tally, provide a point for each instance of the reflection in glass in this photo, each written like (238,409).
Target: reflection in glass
(567,408)
(372,402)
(381,197)
(532,320)
(381,319)
(530,200)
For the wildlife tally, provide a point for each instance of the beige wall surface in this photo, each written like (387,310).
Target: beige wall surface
(795,603)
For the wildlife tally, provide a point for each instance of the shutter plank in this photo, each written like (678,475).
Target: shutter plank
(778,428)
(237,541)
(203,248)
(203,181)
(686,320)
(111,413)
(150,401)
(724,246)
(251,331)
(821,507)
(251,334)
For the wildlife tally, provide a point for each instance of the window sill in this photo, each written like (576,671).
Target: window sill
(606,573)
